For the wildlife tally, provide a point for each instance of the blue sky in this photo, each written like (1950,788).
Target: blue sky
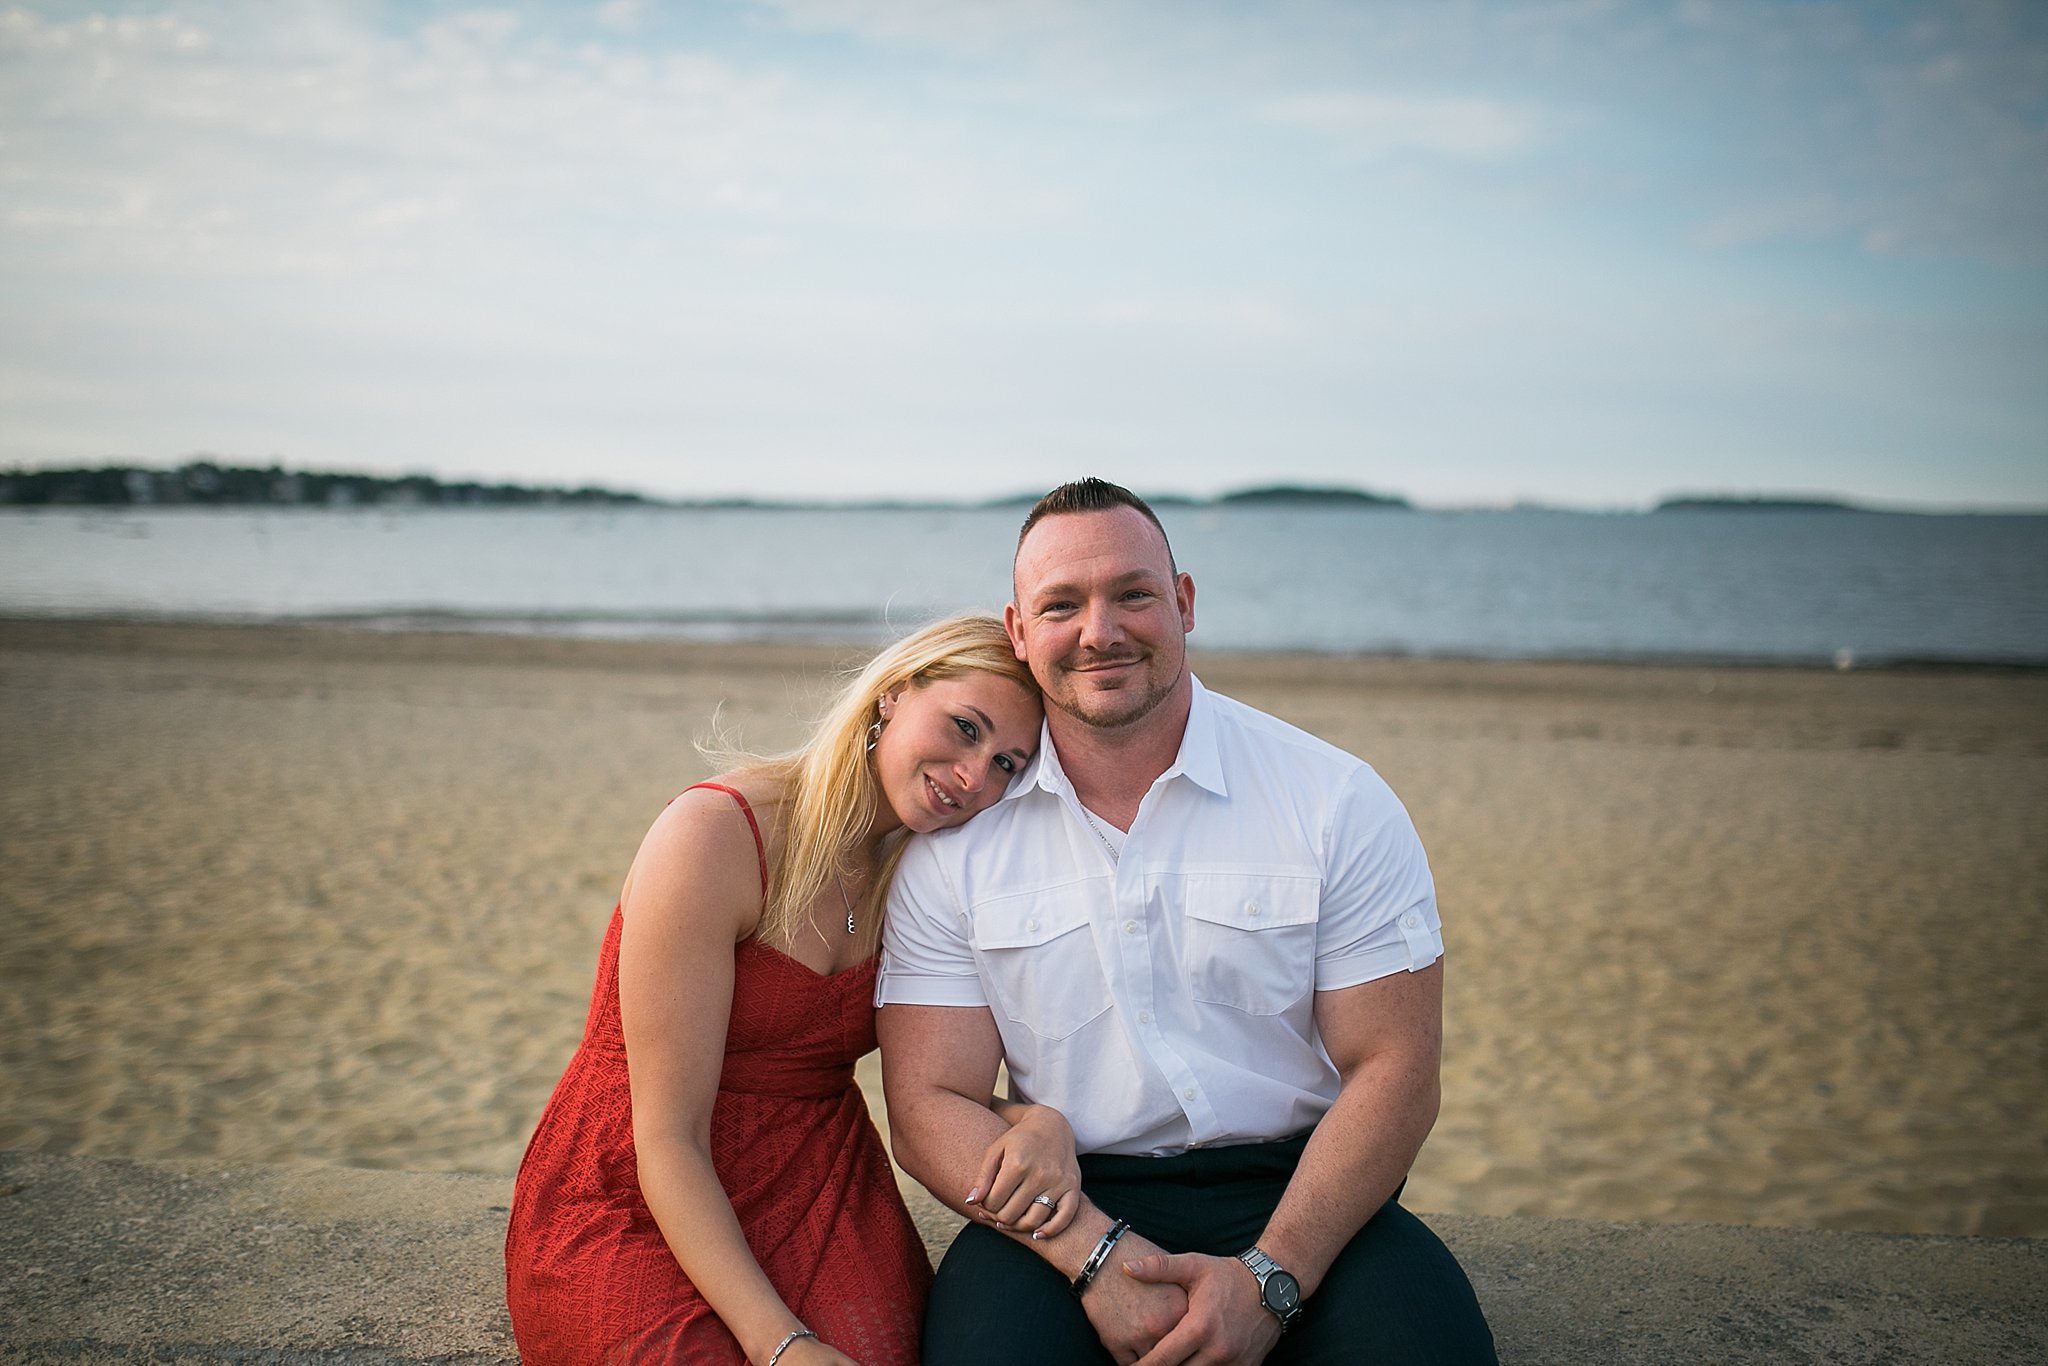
(1570,251)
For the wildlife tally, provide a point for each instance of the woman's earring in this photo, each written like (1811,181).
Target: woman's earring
(881,720)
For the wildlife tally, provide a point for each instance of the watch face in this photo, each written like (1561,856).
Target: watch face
(1282,1294)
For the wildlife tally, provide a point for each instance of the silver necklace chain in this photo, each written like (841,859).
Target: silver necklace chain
(1101,834)
(847,902)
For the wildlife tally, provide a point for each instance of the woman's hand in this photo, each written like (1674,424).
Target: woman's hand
(1034,1159)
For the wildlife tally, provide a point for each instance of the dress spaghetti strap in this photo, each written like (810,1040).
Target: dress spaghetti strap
(760,849)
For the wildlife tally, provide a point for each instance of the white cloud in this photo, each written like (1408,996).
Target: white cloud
(1242,316)
(975,28)
(1803,218)
(158,142)
(1368,126)
(625,16)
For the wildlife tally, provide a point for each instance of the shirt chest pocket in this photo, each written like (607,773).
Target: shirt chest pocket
(1038,958)
(1251,941)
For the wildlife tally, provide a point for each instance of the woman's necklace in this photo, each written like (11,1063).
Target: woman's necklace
(847,902)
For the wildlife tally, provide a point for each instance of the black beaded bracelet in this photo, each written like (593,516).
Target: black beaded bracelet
(1100,1254)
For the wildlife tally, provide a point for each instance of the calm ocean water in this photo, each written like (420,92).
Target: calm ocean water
(1793,587)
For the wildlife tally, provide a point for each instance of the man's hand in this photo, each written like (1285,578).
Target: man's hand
(1130,1315)
(1224,1323)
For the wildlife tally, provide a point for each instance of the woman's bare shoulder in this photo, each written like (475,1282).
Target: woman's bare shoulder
(759,794)
(701,851)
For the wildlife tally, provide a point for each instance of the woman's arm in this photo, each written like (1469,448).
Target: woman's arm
(694,891)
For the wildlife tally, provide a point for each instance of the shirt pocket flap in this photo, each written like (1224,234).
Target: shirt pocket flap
(1027,921)
(1263,903)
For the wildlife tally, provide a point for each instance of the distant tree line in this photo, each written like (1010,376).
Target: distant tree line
(204,483)
(207,484)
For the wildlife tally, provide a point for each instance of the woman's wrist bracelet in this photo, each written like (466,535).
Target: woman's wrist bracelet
(783,1346)
(1095,1258)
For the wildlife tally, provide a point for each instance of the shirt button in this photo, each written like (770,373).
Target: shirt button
(1144,1017)
(1188,1094)
(1130,927)
(1411,920)
(1031,924)
(1251,908)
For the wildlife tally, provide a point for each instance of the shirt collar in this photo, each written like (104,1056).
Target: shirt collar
(1198,761)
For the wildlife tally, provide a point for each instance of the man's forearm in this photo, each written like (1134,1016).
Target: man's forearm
(940,1137)
(939,1067)
(1355,1160)
(938,1064)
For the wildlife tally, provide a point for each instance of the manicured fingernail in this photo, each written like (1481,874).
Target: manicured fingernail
(974,1196)
(1037,1234)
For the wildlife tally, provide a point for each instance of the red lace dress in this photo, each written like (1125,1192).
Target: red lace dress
(588,1277)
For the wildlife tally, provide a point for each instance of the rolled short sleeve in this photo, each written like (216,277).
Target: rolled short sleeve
(927,959)
(1379,911)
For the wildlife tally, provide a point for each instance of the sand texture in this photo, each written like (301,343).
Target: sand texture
(1745,946)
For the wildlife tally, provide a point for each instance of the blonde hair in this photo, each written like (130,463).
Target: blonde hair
(827,788)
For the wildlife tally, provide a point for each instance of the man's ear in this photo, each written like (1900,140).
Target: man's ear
(1013,623)
(1184,598)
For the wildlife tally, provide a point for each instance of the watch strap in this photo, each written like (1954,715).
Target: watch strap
(1261,1266)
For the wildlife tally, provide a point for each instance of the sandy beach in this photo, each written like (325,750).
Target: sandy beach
(1739,945)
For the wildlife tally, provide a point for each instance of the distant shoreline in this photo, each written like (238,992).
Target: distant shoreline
(524,636)
(204,484)
(523,499)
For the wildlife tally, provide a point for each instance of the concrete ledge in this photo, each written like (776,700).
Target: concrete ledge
(116,1261)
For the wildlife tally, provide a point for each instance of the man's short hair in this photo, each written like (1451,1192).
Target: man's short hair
(1092,495)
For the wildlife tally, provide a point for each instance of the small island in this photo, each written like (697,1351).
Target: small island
(1271,495)
(1724,503)
(1297,496)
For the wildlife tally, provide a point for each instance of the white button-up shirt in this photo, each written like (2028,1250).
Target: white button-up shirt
(1165,999)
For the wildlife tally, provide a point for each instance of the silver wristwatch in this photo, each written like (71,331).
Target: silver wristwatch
(1279,1292)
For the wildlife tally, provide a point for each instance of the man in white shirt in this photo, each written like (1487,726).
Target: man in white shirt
(1209,939)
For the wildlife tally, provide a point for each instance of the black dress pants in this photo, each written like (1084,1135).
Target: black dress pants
(1394,1295)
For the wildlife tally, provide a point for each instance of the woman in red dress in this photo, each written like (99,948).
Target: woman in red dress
(732,1202)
